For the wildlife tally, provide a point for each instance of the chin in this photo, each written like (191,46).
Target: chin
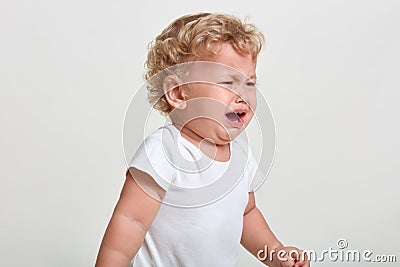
(225,137)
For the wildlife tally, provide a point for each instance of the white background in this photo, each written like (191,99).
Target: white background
(68,70)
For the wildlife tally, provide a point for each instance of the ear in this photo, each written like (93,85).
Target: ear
(174,92)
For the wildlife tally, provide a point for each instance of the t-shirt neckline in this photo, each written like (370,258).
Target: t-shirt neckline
(198,149)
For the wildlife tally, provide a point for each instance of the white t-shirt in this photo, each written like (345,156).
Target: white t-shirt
(200,220)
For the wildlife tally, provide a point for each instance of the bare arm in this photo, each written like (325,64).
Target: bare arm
(130,221)
(257,236)
(256,232)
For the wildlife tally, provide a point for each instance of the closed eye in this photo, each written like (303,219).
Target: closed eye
(226,83)
(250,84)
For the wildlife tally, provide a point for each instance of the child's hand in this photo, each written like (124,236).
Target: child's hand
(293,257)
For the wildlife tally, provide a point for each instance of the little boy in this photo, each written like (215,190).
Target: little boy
(188,198)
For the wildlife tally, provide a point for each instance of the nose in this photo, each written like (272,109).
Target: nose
(241,94)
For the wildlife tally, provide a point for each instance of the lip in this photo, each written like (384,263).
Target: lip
(242,112)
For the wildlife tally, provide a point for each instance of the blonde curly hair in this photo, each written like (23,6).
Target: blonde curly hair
(190,37)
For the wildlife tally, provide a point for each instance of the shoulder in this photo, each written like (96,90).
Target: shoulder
(153,156)
(164,134)
(159,141)
(240,144)
(252,172)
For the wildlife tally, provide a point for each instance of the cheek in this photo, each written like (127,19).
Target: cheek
(252,100)
(208,125)
(198,89)
(210,91)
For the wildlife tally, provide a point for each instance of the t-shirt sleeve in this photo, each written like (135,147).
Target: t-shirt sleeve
(255,175)
(151,159)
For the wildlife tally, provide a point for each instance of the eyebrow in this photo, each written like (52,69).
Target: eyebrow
(251,77)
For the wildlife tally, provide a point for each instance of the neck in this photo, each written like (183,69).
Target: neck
(218,152)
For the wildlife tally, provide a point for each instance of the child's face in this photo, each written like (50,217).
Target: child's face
(221,106)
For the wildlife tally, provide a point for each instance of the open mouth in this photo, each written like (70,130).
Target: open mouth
(236,117)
